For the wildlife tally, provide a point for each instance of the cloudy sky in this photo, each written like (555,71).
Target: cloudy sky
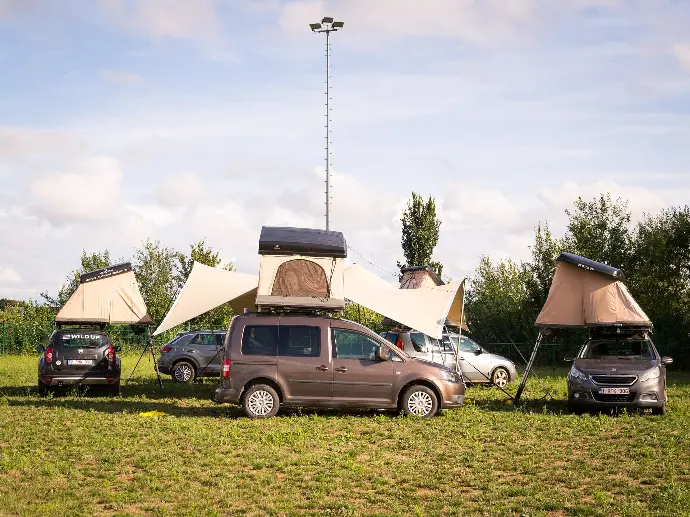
(178,120)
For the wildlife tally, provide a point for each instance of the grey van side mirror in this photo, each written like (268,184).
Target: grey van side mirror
(40,349)
(666,360)
(383,353)
(568,359)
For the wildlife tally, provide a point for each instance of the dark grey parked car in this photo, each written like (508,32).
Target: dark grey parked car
(192,355)
(618,368)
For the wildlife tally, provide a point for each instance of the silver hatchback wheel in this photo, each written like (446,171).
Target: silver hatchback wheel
(500,377)
(183,372)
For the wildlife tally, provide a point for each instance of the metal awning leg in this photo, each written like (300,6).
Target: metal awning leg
(528,369)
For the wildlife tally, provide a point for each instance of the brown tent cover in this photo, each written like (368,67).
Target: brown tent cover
(581,297)
(109,295)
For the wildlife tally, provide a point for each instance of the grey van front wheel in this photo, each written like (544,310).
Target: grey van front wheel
(260,401)
(420,401)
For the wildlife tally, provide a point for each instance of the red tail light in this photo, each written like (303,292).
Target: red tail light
(165,349)
(49,354)
(399,344)
(226,368)
(110,354)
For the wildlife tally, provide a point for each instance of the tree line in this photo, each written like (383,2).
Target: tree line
(504,297)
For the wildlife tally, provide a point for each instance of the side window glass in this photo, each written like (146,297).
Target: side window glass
(260,340)
(299,341)
(204,339)
(220,339)
(466,345)
(350,344)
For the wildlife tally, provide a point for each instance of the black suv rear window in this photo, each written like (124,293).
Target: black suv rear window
(81,340)
(260,340)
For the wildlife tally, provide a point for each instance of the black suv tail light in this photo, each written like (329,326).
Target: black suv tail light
(110,354)
(165,349)
(49,354)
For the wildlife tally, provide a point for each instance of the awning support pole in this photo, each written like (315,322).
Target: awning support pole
(528,369)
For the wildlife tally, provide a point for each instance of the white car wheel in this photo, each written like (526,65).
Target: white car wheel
(500,377)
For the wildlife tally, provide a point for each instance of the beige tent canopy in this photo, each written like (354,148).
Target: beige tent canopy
(108,295)
(207,288)
(585,293)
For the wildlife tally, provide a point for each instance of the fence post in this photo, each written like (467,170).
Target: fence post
(4,335)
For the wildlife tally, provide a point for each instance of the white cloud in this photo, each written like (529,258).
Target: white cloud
(19,142)
(88,192)
(682,53)
(181,189)
(9,276)
(160,19)
(155,214)
(121,77)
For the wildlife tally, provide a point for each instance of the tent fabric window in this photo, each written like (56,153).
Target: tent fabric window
(300,277)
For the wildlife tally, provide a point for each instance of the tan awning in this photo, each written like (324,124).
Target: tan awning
(110,296)
(207,288)
(582,298)
(424,309)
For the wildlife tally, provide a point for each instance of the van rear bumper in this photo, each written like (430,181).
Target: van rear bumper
(226,396)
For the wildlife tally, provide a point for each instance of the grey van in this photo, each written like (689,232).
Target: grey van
(319,361)
(192,355)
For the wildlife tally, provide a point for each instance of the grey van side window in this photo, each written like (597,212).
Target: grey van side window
(350,344)
(299,341)
(260,340)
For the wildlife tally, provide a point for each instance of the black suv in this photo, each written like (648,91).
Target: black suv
(76,357)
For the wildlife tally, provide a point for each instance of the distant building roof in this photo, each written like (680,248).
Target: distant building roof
(437,280)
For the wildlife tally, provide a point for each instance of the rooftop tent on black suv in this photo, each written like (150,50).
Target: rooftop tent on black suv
(80,352)
(585,294)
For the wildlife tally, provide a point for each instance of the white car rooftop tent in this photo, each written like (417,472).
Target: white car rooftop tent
(301,268)
(585,294)
(106,296)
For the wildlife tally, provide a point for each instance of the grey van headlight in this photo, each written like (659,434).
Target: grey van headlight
(650,375)
(450,376)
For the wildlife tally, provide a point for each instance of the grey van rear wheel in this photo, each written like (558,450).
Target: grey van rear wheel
(260,401)
(420,401)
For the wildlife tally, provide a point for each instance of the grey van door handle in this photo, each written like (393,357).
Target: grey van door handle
(323,368)
(342,369)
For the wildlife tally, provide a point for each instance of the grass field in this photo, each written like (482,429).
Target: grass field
(98,456)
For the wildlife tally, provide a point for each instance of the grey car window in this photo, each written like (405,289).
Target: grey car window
(418,341)
(299,341)
(204,339)
(350,344)
(260,340)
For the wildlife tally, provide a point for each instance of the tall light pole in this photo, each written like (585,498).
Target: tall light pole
(327,25)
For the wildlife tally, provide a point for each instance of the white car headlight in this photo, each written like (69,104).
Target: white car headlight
(574,373)
(650,375)
(450,375)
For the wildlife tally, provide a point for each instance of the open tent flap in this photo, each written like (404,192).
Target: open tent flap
(583,296)
(456,315)
(423,309)
(108,295)
(207,288)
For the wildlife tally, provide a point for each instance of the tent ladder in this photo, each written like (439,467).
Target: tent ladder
(528,369)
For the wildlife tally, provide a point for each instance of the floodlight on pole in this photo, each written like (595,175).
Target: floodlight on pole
(327,25)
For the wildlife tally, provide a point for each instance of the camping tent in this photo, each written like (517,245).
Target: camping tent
(585,294)
(109,295)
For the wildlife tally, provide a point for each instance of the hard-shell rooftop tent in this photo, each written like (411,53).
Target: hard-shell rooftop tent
(301,268)
(110,295)
(586,294)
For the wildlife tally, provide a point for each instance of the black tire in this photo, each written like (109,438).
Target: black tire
(421,401)
(114,389)
(260,401)
(43,389)
(500,377)
(183,372)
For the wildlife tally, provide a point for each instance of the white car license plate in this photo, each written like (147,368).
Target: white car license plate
(80,361)
(614,391)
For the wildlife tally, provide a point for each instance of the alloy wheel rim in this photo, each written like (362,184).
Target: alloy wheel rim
(183,373)
(420,403)
(500,378)
(260,402)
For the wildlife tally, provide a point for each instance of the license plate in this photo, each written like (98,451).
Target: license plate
(614,391)
(80,361)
